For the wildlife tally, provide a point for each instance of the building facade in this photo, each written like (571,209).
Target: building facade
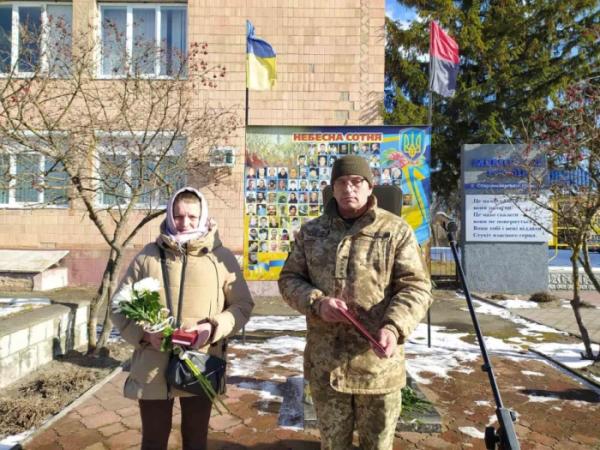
(330,71)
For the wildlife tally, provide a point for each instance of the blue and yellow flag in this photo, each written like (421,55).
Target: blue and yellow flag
(261,71)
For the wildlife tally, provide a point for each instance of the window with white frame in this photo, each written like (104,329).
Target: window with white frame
(35,36)
(28,178)
(143,39)
(148,165)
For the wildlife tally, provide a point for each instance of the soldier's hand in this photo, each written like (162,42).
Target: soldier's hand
(388,341)
(329,309)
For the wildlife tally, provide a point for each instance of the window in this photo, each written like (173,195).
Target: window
(35,36)
(145,40)
(28,178)
(147,164)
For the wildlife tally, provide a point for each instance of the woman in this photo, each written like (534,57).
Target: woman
(216,303)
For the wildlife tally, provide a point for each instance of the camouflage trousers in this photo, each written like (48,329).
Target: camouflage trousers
(373,416)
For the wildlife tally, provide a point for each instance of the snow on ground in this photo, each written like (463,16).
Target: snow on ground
(448,352)
(276,323)
(10,442)
(528,328)
(518,304)
(266,353)
(567,354)
(10,306)
(259,357)
(543,398)
(532,374)
(267,390)
(472,431)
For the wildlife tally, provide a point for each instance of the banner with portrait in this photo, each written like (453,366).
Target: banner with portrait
(288,167)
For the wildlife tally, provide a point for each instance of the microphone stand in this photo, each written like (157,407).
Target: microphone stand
(505,438)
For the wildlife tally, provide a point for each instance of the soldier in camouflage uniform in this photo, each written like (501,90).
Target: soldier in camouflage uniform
(361,258)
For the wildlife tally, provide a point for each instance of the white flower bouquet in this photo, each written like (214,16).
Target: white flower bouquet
(140,302)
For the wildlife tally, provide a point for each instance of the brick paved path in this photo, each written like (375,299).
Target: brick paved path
(564,415)
(555,411)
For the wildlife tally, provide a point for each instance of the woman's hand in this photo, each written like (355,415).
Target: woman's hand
(154,339)
(204,331)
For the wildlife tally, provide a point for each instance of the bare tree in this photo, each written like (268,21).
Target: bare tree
(561,161)
(110,133)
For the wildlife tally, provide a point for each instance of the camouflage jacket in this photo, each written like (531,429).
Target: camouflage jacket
(375,266)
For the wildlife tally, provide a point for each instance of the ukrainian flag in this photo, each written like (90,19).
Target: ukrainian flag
(261,71)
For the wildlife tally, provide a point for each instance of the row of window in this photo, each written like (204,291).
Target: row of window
(144,40)
(29,179)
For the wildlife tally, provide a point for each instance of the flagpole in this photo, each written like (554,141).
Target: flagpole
(246,121)
(430,123)
(430,111)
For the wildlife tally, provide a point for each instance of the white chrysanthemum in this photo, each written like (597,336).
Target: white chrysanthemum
(147,285)
(126,294)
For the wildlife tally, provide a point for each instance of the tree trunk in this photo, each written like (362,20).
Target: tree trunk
(112,286)
(587,267)
(576,304)
(100,299)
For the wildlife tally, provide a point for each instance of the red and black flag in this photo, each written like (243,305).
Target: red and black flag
(443,54)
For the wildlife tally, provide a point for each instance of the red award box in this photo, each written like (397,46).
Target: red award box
(181,337)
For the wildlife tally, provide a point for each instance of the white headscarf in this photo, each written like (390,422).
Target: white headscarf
(203,223)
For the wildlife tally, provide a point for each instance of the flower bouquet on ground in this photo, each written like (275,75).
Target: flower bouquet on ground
(140,302)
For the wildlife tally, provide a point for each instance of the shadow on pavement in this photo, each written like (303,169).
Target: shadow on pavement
(582,395)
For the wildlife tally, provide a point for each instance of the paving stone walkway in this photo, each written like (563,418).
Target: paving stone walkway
(556,411)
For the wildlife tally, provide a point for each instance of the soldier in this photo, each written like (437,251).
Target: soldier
(362,259)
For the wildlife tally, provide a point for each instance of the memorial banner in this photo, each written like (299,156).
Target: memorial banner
(288,167)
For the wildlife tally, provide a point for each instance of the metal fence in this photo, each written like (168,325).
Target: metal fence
(443,266)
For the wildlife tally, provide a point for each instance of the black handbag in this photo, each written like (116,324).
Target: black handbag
(181,377)
(178,374)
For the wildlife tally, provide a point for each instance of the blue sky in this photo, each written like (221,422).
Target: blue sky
(396,11)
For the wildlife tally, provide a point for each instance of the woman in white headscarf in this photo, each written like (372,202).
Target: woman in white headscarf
(216,303)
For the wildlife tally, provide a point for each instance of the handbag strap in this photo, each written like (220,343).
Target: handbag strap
(165,274)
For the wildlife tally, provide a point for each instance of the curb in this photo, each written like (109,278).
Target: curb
(82,398)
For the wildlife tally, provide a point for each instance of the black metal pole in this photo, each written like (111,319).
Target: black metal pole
(505,437)
(246,109)
(429,328)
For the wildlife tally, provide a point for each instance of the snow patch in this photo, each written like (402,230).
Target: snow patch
(276,323)
(472,431)
(531,373)
(567,354)
(518,304)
